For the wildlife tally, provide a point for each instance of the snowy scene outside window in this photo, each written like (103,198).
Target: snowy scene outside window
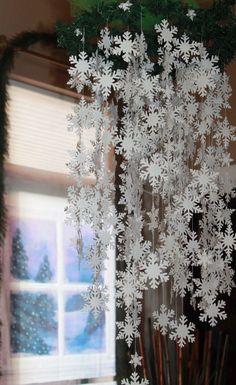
(46,295)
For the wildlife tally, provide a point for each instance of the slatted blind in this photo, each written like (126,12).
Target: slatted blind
(38,128)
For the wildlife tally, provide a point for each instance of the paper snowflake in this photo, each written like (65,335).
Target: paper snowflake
(162,319)
(80,70)
(105,81)
(186,49)
(154,271)
(212,311)
(96,299)
(191,14)
(153,219)
(156,171)
(128,329)
(128,288)
(166,33)
(136,360)
(125,46)
(182,331)
(125,6)
(134,380)
(105,42)
(204,180)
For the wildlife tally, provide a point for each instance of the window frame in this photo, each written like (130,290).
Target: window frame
(28,180)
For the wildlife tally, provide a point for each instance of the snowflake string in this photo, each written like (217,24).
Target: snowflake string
(134,380)
(171,137)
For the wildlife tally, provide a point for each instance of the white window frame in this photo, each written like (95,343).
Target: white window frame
(63,366)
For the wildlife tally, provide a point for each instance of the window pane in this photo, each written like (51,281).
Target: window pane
(33,323)
(33,250)
(76,270)
(83,333)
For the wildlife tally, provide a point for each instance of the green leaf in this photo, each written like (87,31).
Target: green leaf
(149,20)
(87,5)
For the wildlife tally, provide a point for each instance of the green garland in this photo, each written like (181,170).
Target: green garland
(22,41)
(215,26)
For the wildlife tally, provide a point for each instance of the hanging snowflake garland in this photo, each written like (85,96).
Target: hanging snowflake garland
(173,135)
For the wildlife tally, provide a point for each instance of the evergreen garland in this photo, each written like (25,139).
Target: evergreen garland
(215,26)
(22,41)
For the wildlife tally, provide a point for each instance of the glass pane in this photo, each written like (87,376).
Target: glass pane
(76,270)
(33,249)
(83,333)
(33,323)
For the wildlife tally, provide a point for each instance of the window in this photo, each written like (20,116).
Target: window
(48,336)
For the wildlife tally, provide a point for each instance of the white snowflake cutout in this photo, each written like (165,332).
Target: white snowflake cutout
(125,6)
(191,14)
(153,219)
(80,70)
(182,331)
(96,299)
(166,33)
(136,360)
(186,49)
(212,311)
(125,46)
(204,179)
(105,81)
(162,319)
(156,171)
(128,329)
(134,380)
(154,271)
(105,42)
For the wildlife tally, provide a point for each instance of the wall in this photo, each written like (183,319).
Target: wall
(41,65)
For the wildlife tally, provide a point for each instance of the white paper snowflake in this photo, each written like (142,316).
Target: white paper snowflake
(156,171)
(166,33)
(105,81)
(212,311)
(128,329)
(125,6)
(96,299)
(136,360)
(163,319)
(105,42)
(154,271)
(204,179)
(125,46)
(182,331)
(186,49)
(80,70)
(191,13)
(153,219)
(134,380)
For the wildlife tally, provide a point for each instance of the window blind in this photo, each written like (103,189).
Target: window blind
(38,128)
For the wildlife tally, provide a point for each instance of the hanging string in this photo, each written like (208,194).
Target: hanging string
(141,17)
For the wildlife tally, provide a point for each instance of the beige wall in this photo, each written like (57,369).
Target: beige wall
(25,15)
(49,67)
